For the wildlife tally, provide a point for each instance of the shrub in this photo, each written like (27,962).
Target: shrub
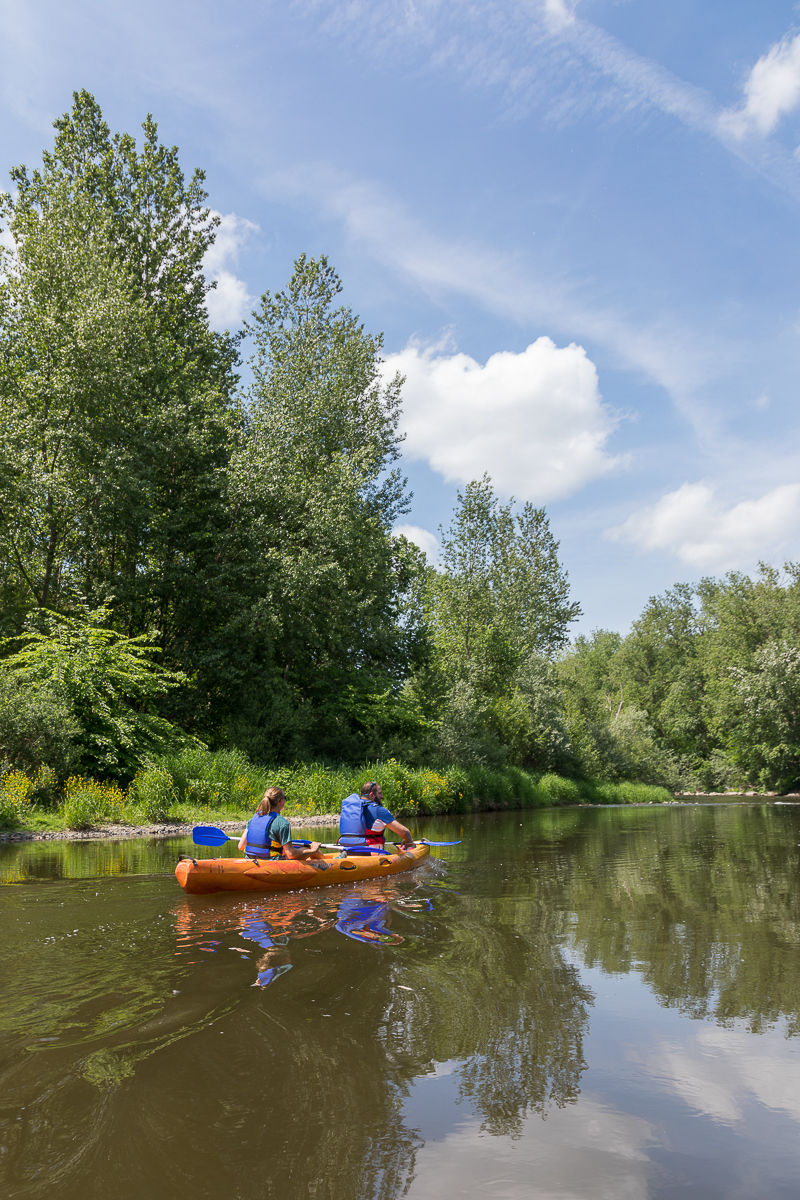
(87,801)
(19,792)
(36,727)
(15,798)
(152,792)
(216,779)
(106,682)
(557,790)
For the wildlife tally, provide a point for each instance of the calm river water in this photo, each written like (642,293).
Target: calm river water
(585,1003)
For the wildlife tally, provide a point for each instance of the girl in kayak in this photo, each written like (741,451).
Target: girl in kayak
(269,835)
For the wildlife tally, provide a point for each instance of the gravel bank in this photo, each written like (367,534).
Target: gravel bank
(116,832)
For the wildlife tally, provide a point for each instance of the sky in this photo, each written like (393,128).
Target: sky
(575,222)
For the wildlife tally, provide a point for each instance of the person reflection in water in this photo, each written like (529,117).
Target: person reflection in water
(361,917)
(366,920)
(293,922)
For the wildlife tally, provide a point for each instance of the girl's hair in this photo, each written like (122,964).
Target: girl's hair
(269,803)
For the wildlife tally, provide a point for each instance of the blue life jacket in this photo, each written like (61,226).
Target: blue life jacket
(259,843)
(352,822)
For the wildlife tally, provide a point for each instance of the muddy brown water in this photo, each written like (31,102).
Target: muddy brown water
(570,1004)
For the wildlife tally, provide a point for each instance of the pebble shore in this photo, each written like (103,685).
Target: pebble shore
(117,832)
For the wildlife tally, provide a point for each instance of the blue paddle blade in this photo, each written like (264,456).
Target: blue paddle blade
(208,835)
(425,842)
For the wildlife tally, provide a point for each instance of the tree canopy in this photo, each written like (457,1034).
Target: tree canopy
(241,541)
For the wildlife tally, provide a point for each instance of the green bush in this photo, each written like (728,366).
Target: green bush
(557,790)
(86,801)
(221,779)
(153,793)
(104,684)
(19,793)
(626,792)
(36,728)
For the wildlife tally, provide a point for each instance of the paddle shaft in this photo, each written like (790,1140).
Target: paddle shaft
(209,835)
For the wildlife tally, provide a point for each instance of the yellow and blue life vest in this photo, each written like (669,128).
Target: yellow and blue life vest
(259,843)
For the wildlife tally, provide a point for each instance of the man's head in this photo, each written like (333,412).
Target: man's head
(371,791)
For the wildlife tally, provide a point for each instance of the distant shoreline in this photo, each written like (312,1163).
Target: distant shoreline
(113,833)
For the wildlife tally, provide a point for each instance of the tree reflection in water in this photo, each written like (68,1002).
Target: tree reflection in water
(169,1068)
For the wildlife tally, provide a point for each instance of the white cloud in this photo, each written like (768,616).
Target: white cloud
(535,421)
(719,1070)
(544,55)
(427,542)
(229,302)
(772,89)
(702,532)
(552,1160)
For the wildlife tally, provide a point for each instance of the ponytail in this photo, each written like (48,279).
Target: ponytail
(270,802)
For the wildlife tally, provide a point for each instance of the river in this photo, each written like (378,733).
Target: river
(578,1003)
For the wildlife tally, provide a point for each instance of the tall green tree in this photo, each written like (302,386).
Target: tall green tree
(117,397)
(316,487)
(498,607)
(500,594)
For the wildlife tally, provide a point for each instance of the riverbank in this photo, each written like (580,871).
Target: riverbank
(172,829)
(198,787)
(116,832)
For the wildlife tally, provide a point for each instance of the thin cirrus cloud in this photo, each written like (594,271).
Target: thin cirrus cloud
(229,301)
(668,352)
(701,531)
(546,56)
(535,420)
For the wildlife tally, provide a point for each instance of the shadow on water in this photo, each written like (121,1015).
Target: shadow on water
(251,1046)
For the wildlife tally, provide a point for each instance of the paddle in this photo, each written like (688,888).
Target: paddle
(209,835)
(418,842)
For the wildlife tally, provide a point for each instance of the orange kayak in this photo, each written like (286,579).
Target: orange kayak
(199,876)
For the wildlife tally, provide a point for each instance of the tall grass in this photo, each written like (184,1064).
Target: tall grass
(227,780)
(196,783)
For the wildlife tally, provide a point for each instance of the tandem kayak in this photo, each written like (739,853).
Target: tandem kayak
(200,876)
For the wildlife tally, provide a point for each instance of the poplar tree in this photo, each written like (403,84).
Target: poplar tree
(116,395)
(317,489)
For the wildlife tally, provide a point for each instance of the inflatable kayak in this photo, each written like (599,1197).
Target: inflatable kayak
(199,876)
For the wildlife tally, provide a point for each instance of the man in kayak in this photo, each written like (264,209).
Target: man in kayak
(364,819)
(269,835)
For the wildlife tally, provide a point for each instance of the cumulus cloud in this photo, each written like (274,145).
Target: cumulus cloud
(772,89)
(427,542)
(535,421)
(706,534)
(230,300)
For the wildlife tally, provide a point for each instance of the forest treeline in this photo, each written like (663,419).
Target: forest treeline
(186,559)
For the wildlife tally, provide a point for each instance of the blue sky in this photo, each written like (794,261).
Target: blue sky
(576,224)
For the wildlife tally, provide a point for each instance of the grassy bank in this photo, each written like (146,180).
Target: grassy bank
(200,786)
